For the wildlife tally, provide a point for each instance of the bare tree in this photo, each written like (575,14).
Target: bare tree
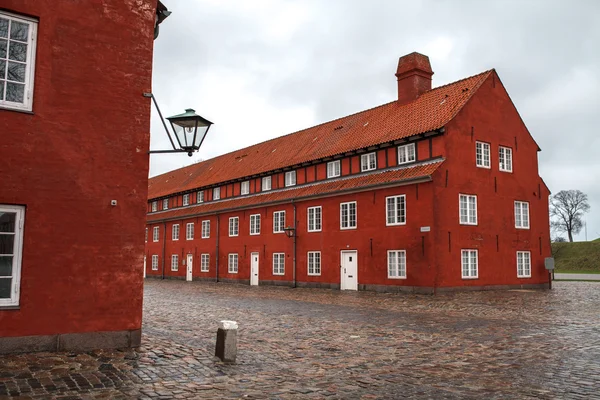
(566,209)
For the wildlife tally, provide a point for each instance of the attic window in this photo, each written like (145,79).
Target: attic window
(444,99)
(338,127)
(242,156)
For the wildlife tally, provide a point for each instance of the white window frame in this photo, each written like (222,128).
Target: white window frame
(396,218)
(232,265)
(28,90)
(334,169)
(189,231)
(154,262)
(175,232)
(174,262)
(348,225)
(313,263)
(146,237)
(278,221)
(200,196)
(265,184)
(255,224)
(522,210)
(205,229)
(407,154)
(368,162)
(483,149)
(469,220)
(165,205)
(155,234)
(234,226)
(290,178)
(154,206)
(245,188)
(186,199)
(16,254)
(472,271)
(505,159)
(396,264)
(204,262)
(278,263)
(217,193)
(525,270)
(315,219)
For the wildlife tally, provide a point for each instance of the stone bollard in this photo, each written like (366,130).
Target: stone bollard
(226,348)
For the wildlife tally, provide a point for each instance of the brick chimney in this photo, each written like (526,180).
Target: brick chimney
(414,76)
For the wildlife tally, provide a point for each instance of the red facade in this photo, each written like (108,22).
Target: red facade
(444,125)
(82,145)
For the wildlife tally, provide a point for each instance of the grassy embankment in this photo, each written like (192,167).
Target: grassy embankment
(577,257)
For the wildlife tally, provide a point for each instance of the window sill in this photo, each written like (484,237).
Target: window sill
(314,274)
(9,308)
(470,277)
(396,277)
(522,228)
(316,230)
(396,224)
(278,274)
(524,277)
(483,167)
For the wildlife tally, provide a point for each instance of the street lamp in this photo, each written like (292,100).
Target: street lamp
(289,231)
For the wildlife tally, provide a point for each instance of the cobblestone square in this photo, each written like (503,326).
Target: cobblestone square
(325,344)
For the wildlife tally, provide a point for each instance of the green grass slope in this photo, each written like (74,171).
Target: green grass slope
(577,257)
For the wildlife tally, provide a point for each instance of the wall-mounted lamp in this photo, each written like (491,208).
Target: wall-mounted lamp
(289,231)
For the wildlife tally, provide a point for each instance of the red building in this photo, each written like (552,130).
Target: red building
(73,155)
(436,190)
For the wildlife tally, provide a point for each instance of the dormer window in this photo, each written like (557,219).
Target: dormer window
(368,162)
(200,197)
(216,193)
(154,206)
(333,169)
(186,199)
(290,178)
(245,187)
(406,154)
(266,183)
(165,204)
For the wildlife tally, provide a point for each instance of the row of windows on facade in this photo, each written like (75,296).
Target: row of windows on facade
(396,263)
(368,162)
(483,156)
(395,215)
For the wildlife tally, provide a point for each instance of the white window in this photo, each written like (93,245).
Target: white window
(396,264)
(200,197)
(233,263)
(523,264)
(406,153)
(505,158)
(216,193)
(278,263)
(154,206)
(314,219)
(205,229)
(255,224)
(290,178)
(245,187)
(348,215)
(521,215)
(165,204)
(175,233)
(333,169)
(482,154)
(17,61)
(154,262)
(468,209)
(469,264)
(204,262)
(186,199)
(146,237)
(266,183)
(11,250)
(368,162)
(174,262)
(234,226)
(314,263)
(155,234)
(396,210)
(278,221)
(189,231)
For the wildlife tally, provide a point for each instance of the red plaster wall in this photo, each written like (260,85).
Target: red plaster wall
(84,145)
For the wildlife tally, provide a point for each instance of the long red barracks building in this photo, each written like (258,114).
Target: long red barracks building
(436,190)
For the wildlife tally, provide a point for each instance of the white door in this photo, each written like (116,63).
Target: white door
(144,266)
(254,269)
(349,272)
(189,264)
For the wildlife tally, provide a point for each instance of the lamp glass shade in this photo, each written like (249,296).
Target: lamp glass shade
(190,129)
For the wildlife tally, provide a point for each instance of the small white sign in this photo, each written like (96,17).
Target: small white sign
(425,228)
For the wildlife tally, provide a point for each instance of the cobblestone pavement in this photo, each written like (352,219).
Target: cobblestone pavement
(324,344)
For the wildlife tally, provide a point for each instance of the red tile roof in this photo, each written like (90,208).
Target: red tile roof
(320,188)
(386,123)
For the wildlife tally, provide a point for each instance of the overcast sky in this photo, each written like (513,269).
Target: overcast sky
(261,69)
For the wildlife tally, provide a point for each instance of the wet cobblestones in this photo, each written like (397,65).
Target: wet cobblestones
(322,344)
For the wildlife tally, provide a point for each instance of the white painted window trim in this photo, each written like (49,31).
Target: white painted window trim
(234,226)
(154,206)
(397,267)
(174,262)
(468,222)
(313,211)
(521,254)
(200,197)
(365,162)
(396,216)
(205,234)
(175,232)
(282,225)
(255,223)
(17,254)
(186,199)
(154,262)
(165,205)
(462,264)
(521,205)
(204,262)
(146,237)
(314,264)
(189,231)
(278,261)
(342,215)
(155,234)
(290,178)
(245,188)
(484,146)
(27,104)
(217,193)
(405,151)
(505,153)
(334,169)
(264,187)
(232,265)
